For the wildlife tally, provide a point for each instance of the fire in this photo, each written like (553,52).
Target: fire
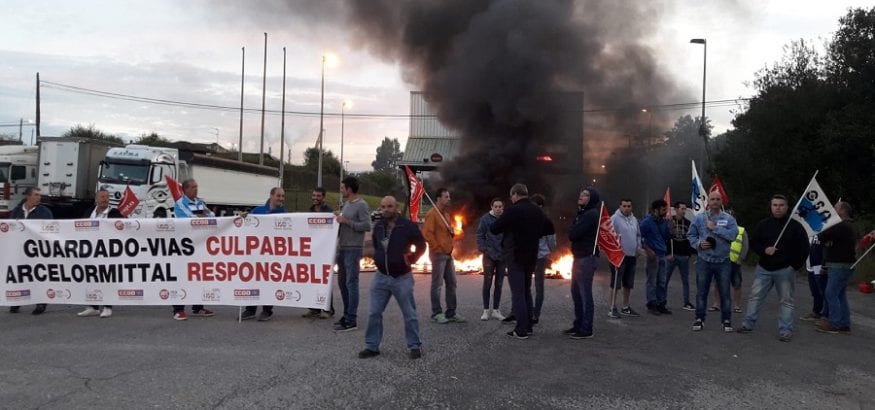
(458,220)
(561,266)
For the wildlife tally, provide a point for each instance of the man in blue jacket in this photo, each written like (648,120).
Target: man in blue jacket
(654,239)
(711,235)
(275,204)
(393,237)
(30,208)
(582,235)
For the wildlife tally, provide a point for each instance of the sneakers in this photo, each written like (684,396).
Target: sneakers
(455,319)
(90,311)
(825,327)
(325,314)
(312,314)
(713,309)
(439,318)
(105,313)
(727,326)
(486,314)
(203,313)
(414,354)
(785,337)
(663,310)
(737,309)
(581,335)
(515,335)
(247,314)
(346,327)
(652,309)
(690,307)
(698,325)
(614,313)
(496,314)
(39,309)
(264,316)
(367,354)
(811,317)
(627,311)
(569,331)
(509,319)
(744,329)
(340,322)
(180,315)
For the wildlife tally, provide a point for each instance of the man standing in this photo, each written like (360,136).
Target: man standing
(354,222)
(817,280)
(393,237)
(275,204)
(190,206)
(626,225)
(582,235)
(711,234)
(839,255)
(101,210)
(778,261)
(654,235)
(489,245)
(546,246)
(680,250)
(522,224)
(439,235)
(317,197)
(30,208)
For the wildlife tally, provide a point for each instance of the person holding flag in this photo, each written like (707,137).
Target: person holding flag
(655,236)
(583,234)
(710,235)
(439,237)
(781,251)
(626,225)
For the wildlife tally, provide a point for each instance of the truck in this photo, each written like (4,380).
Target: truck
(227,186)
(65,170)
(18,171)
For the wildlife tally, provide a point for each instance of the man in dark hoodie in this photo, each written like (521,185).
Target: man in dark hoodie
(582,235)
(522,225)
(780,257)
(393,237)
(839,255)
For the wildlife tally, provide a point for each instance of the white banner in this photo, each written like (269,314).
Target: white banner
(280,259)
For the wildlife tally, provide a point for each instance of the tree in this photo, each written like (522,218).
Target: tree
(78,131)
(388,154)
(153,140)
(330,163)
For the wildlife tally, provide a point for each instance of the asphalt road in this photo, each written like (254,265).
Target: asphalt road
(141,358)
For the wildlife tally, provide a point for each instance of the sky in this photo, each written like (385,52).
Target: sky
(191,52)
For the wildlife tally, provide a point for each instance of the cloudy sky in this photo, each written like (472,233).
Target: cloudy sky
(190,51)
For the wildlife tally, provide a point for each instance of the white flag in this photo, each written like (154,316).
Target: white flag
(814,211)
(699,200)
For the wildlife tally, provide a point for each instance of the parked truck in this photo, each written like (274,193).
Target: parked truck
(227,186)
(65,170)
(18,171)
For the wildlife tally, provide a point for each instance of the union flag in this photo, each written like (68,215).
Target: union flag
(607,239)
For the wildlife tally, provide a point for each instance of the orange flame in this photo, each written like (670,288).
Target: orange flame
(457,226)
(561,266)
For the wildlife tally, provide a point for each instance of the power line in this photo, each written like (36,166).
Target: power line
(213,107)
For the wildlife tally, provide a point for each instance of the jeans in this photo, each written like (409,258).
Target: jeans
(443,271)
(493,271)
(656,281)
(763,281)
(705,272)
(348,280)
(581,292)
(540,271)
(519,277)
(683,265)
(383,287)
(837,296)
(817,286)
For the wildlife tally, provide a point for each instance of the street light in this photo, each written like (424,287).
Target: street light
(343,105)
(702,129)
(330,59)
(217,134)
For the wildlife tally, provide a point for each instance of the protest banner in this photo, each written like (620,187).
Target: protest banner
(283,259)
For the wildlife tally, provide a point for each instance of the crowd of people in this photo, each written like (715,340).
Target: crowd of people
(517,239)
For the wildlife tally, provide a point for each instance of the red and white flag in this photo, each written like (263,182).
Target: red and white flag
(174,187)
(416,191)
(128,203)
(667,199)
(608,241)
(716,185)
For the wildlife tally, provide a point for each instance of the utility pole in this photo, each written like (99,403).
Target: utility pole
(263,95)
(242,79)
(37,108)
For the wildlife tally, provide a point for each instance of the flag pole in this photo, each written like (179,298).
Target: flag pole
(614,289)
(792,211)
(863,256)
(595,243)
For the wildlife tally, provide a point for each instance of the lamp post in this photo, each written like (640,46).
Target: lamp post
(321,119)
(343,105)
(217,134)
(703,131)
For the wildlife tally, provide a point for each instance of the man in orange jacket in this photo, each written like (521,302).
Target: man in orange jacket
(439,236)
